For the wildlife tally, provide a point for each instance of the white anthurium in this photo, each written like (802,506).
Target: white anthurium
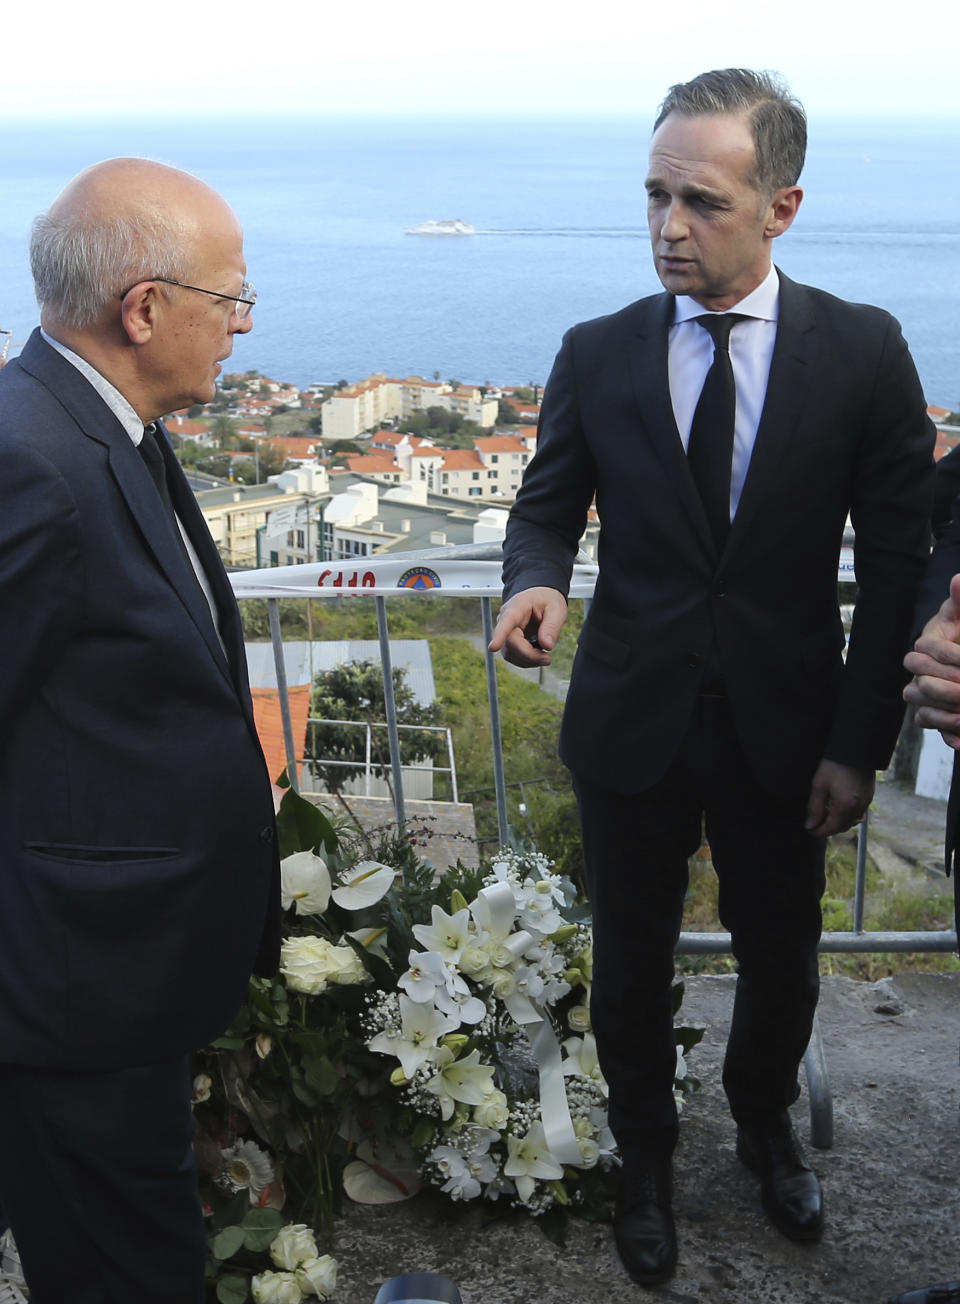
(364,884)
(373,940)
(529,1159)
(582,1059)
(445,934)
(465,1080)
(421,1027)
(426,974)
(304,883)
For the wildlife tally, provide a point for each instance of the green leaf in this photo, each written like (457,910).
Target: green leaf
(688,1037)
(228,1043)
(226,1243)
(232,1290)
(260,1228)
(320,1074)
(301,826)
(422,1134)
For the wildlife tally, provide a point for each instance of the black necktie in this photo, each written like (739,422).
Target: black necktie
(150,452)
(710,449)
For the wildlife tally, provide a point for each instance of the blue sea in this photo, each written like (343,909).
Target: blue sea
(558,206)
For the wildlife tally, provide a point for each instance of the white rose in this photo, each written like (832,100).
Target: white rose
(293,1245)
(492,1111)
(318,1277)
(474,961)
(310,963)
(578,1017)
(276,1288)
(503,984)
(589,1151)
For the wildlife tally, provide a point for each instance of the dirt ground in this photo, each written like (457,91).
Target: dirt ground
(890,1181)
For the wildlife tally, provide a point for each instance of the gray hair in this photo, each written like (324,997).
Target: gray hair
(82,264)
(777,118)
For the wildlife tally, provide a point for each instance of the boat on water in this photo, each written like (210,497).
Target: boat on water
(447,226)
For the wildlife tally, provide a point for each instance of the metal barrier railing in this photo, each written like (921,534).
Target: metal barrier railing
(370,764)
(689,943)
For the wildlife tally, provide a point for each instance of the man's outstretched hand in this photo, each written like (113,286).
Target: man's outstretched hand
(529,625)
(935,665)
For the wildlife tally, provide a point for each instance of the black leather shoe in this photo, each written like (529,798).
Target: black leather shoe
(946,1293)
(789,1188)
(643,1222)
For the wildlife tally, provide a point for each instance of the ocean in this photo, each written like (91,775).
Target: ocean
(558,206)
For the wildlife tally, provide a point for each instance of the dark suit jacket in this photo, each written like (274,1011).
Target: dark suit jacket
(138,881)
(844,429)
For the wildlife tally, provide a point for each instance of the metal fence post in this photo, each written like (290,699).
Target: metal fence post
(499,786)
(390,710)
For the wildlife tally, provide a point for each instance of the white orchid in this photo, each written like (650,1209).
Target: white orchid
(459,1183)
(456,999)
(529,1159)
(305,883)
(465,1080)
(427,972)
(445,934)
(417,1043)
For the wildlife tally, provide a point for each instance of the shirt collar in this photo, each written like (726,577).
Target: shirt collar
(763,302)
(114,400)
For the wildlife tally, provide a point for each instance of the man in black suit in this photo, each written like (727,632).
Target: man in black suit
(138,876)
(726,427)
(935,691)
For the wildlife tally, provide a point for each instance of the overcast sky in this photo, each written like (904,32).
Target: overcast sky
(502,56)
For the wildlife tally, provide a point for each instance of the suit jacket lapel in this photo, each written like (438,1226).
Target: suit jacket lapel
(85,406)
(188,510)
(791,371)
(650,375)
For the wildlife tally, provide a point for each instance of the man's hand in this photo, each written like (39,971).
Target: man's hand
(839,797)
(935,665)
(529,625)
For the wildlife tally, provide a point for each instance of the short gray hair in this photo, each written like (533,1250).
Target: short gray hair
(80,265)
(777,118)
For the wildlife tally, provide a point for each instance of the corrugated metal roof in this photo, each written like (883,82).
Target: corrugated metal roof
(412,655)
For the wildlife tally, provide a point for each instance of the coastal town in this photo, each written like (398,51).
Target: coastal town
(345,471)
(342,471)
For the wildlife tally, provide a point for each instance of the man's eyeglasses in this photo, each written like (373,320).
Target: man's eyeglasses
(241,308)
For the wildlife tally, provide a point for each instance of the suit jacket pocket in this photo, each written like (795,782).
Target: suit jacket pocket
(611,651)
(101,855)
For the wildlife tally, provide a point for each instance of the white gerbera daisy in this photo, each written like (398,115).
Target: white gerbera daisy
(245,1167)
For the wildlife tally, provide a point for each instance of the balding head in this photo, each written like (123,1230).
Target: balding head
(115,224)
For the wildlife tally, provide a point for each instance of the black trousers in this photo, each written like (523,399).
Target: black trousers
(771,879)
(98,1181)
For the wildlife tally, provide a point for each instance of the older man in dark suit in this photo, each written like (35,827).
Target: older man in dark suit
(138,883)
(726,427)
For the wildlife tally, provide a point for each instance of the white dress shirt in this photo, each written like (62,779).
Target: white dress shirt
(690,356)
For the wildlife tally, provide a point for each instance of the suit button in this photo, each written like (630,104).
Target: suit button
(694,659)
(266,835)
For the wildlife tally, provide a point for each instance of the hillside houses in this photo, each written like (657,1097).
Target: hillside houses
(370,403)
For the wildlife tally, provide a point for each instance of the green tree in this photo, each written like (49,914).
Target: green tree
(224,431)
(355,692)
(506,416)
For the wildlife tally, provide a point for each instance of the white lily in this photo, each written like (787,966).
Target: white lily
(421,1027)
(445,934)
(304,882)
(529,1159)
(363,885)
(582,1059)
(465,1080)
